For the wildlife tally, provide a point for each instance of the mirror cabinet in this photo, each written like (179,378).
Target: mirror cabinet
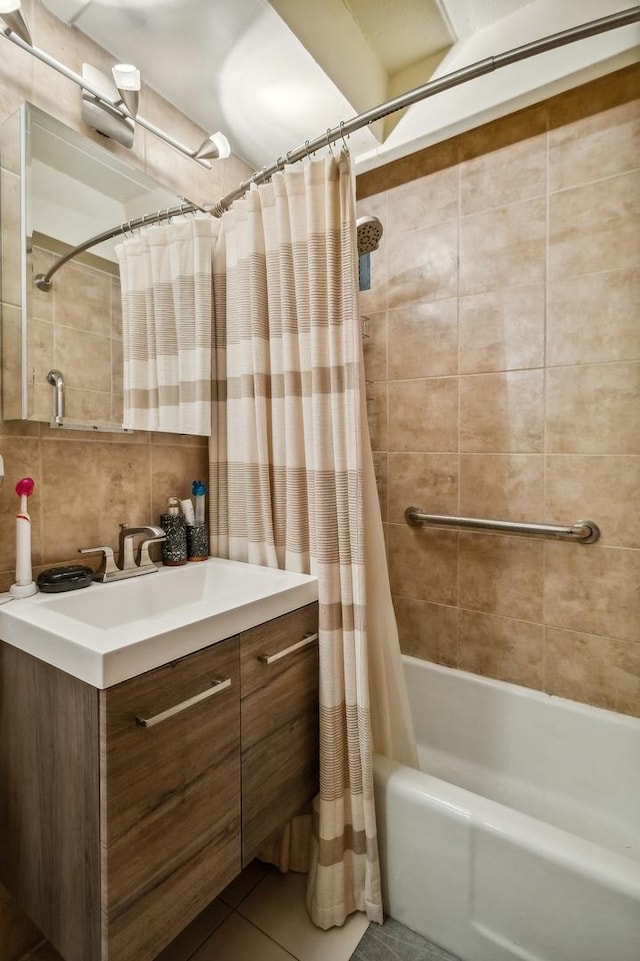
(62,348)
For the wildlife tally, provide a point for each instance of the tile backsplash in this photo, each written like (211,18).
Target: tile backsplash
(503,381)
(76,328)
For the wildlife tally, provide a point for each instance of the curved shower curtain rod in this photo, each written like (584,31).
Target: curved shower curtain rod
(478,69)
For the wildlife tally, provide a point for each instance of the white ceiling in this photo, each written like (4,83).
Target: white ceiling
(467,16)
(274,74)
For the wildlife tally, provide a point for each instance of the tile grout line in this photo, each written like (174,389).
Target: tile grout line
(274,937)
(33,950)
(265,935)
(545,389)
(237,911)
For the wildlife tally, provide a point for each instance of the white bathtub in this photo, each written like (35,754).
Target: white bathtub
(520,836)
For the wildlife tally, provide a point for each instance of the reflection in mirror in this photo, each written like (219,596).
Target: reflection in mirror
(58,190)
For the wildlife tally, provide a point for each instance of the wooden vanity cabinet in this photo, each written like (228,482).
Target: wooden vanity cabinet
(280,726)
(115,834)
(121,814)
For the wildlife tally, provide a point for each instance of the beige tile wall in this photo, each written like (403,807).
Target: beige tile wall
(86,484)
(503,369)
(76,328)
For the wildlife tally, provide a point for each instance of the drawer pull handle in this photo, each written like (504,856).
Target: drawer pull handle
(220,684)
(305,642)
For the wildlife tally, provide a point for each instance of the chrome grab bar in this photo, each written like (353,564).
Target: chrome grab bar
(219,684)
(298,646)
(586,532)
(55,378)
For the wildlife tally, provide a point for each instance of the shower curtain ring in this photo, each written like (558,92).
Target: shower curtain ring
(329,141)
(306,148)
(344,142)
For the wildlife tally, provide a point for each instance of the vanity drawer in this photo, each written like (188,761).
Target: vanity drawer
(280,726)
(170,827)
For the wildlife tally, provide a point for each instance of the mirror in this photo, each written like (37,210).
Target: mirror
(58,189)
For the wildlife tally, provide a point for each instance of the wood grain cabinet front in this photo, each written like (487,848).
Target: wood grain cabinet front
(119,809)
(125,811)
(170,763)
(280,726)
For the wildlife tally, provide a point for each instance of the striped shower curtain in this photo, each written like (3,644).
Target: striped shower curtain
(287,453)
(165,276)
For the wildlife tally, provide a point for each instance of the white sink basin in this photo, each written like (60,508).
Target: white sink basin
(106,633)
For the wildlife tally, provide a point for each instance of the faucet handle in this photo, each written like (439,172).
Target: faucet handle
(144,559)
(108,565)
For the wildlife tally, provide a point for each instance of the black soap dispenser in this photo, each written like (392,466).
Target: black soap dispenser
(174,547)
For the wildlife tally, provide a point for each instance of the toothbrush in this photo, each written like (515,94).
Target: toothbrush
(24,585)
(199,490)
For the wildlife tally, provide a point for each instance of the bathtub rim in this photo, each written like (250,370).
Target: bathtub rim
(630,721)
(622,873)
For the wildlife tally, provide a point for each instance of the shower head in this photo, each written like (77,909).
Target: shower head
(369,234)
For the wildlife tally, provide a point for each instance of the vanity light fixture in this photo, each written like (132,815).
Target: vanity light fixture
(215,147)
(13,19)
(109,106)
(114,121)
(127,80)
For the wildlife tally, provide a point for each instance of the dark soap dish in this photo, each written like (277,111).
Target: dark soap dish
(71,578)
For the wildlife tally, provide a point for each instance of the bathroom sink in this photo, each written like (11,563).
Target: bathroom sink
(107,633)
(202,588)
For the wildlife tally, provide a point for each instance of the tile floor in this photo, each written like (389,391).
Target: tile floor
(393,942)
(262,916)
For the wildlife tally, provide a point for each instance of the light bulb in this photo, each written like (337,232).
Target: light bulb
(215,147)
(223,145)
(14,21)
(127,80)
(126,76)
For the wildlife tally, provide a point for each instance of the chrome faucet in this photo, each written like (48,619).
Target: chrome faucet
(125,546)
(129,565)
